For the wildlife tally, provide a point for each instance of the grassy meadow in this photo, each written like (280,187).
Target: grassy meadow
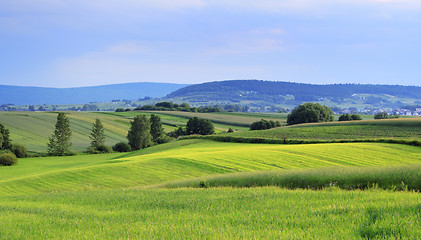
(218,213)
(204,189)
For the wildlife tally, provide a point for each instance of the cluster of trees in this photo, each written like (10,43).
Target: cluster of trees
(143,133)
(264,124)
(349,117)
(310,113)
(384,115)
(185,107)
(170,106)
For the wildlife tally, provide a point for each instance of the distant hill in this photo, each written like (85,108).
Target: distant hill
(288,94)
(38,95)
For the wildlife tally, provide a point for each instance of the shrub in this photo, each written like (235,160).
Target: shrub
(164,139)
(8,159)
(122,147)
(230,130)
(19,150)
(119,110)
(104,149)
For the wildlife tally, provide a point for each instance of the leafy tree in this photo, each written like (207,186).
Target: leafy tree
(5,142)
(139,135)
(156,128)
(196,125)
(31,108)
(97,134)
(310,112)
(230,130)
(381,115)
(59,143)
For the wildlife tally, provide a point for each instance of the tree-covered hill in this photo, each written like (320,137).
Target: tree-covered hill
(292,93)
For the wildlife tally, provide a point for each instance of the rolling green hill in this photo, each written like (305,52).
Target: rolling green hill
(114,196)
(187,159)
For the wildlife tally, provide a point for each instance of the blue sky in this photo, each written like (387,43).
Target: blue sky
(53,43)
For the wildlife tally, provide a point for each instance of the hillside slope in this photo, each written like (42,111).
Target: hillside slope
(38,95)
(187,159)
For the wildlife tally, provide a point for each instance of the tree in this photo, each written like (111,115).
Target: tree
(97,134)
(139,135)
(381,115)
(310,112)
(59,143)
(156,128)
(196,125)
(5,142)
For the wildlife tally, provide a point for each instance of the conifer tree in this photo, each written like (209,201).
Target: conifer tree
(59,143)
(97,134)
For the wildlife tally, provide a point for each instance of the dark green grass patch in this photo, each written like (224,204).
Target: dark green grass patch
(350,178)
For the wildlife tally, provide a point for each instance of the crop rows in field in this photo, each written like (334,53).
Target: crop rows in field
(32,129)
(220,213)
(183,161)
(396,129)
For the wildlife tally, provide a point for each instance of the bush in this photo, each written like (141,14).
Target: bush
(104,149)
(19,150)
(164,139)
(8,159)
(122,147)
(99,149)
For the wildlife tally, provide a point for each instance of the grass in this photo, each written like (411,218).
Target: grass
(221,213)
(393,128)
(188,159)
(391,178)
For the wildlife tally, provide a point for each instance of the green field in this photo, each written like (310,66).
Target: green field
(373,129)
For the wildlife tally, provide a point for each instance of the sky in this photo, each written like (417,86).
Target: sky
(60,43)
